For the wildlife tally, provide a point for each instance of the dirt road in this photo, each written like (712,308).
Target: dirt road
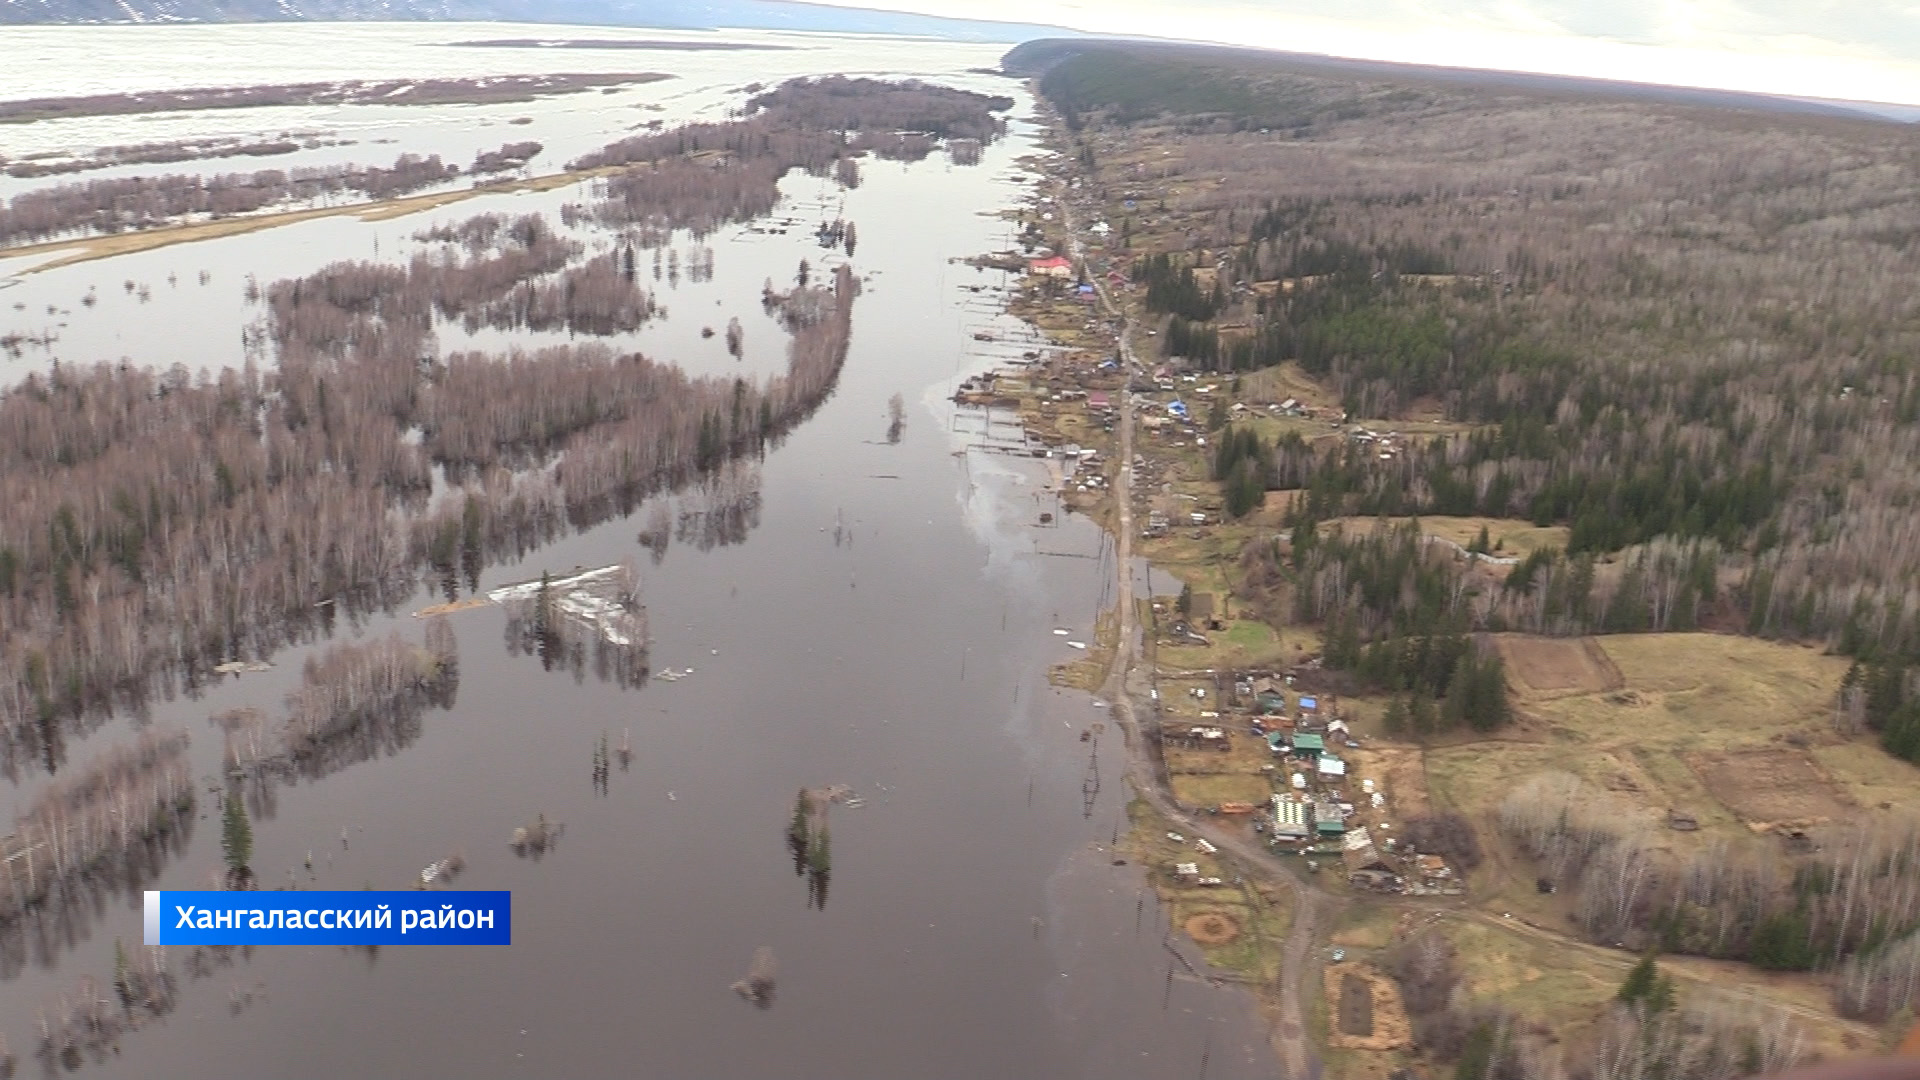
(1126,687)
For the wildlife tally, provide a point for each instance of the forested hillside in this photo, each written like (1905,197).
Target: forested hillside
(1687,334)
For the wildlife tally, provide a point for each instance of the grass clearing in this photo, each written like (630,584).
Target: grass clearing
(1505,536)
(1563,988)
(1245,643)
(1545,667)
(1367,926)
(1192,790)
(1257,924)
(1685,702)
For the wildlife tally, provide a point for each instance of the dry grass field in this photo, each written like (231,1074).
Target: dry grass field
(1729,729)
(1548,667)
(1505,536)
(1770,787)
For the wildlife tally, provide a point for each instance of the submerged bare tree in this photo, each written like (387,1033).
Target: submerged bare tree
(896,417)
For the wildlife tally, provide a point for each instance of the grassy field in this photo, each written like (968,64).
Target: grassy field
(1730,730)
(1566,987)
(1680,703)
(1245,643)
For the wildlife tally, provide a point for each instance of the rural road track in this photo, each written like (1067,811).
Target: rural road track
(1122,687)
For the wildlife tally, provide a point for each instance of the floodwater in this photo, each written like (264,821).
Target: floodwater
(886,625)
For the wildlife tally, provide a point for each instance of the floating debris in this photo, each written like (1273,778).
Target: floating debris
(605,601)
(241,667)
(445,870)
(670,675)
(535,839)
(1076,644)
(1061,631)
(757,987)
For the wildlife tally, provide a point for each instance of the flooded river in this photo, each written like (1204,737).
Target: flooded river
(887,623)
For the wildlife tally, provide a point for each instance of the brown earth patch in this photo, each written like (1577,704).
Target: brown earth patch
(1767,788)
(1212,928)
(1555,667)
(1400,772)
(1356,1006)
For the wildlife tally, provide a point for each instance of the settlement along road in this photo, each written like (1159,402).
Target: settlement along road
(1298,1060)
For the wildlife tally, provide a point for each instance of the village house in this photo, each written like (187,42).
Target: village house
(1328,821)
(1268,698)
(1366,869)
(1057,266)
(1290,818)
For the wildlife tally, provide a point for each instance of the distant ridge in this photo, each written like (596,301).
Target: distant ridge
(652,14)
(1035,56)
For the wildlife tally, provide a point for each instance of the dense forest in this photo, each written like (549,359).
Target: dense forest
(163,523)
(1685,334)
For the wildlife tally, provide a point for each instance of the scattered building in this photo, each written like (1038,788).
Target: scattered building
(1366,868)
(1328,820)
(1290,819)
(1268,697)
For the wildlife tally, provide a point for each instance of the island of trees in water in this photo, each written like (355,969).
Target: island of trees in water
(162,523)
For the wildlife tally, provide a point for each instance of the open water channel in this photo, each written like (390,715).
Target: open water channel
(886,624)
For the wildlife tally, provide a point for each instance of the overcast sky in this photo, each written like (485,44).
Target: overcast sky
(1851,49)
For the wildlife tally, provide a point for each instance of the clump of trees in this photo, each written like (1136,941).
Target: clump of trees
(1243,467)
(511,156)
(1447,834)
(153,153)
(118,814)
(810,842)
(1398,612)
(350,685)
(704,176)
(1647,1031)
(1836,907)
